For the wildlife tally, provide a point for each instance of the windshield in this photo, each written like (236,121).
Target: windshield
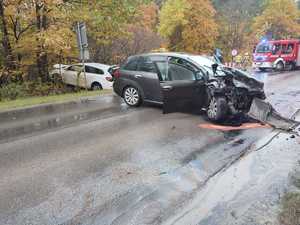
(206,63)
(263,48)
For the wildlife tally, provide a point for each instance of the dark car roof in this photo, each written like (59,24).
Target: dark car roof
(174,54)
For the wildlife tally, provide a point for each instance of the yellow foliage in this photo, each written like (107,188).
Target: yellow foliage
(201,31)
(189,25)
(280,18)
(172,16)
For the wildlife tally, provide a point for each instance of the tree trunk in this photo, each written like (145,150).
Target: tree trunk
(9,63)
(42,57)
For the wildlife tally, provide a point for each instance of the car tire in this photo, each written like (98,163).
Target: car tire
(292,66)
(217,109)
(279,66)
(96,87)
(132,96)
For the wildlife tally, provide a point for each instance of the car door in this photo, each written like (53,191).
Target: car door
(92,75)
(70,74)
(184,90)
(148,79)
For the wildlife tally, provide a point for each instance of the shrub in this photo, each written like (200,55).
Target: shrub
(13,91)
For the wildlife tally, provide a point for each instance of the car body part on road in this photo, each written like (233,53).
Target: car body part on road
(244,126)
(98,76)
(278,55)
(264,112)
(183,82)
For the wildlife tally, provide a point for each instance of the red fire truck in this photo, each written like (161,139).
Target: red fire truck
(278,55)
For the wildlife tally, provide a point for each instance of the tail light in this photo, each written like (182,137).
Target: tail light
(116,73)
(110,79)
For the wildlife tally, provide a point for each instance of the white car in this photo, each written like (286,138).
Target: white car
(97,75)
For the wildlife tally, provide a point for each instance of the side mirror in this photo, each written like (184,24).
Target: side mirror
(215,68)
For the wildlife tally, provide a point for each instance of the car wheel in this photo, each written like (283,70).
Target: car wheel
(217,109)
(279,66)
(96,87)
(132,96)
(292,66)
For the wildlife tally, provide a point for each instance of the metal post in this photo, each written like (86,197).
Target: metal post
(84,72)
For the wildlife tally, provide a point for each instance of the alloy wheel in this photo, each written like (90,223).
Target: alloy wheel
(212,109)
(132,96)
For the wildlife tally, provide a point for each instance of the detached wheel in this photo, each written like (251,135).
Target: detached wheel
(279,66)
(96,87)
(132,96)
(217,109)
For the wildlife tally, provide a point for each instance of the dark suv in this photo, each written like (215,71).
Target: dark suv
(181,81)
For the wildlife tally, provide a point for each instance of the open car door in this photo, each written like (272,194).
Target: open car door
(184,91)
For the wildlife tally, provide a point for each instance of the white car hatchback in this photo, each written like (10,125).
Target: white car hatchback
(97,75)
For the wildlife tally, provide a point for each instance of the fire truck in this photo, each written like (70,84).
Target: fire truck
(278,55)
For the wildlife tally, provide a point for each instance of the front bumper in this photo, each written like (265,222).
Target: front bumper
(267,65)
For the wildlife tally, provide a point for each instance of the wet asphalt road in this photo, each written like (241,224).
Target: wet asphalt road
(136,167)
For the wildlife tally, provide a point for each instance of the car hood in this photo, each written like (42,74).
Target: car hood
(242,79)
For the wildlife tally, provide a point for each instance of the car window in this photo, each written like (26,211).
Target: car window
(146,65)
(182,62)
(90,69)
(76,68)
(180,72)
(283,49)
(163,70)
(276,49)
(131,64)
(180,69)
(289,49)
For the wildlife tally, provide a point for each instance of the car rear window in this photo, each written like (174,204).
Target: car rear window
(146,65)
(90,69)
(131,64)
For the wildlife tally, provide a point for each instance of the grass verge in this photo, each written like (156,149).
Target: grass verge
(290,203)
(31,101)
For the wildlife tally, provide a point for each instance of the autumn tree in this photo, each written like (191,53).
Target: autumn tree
(172,20)
(107,21)
(142,34)
(189,25)
(280,18)
(6,44)
(234,18)
(200,32)
(40,31)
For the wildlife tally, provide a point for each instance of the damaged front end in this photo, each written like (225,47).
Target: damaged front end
(238,89)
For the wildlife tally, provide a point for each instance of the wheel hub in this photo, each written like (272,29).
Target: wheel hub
(131,96)
(212,109)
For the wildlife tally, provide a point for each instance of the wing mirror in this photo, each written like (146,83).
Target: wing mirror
(215,68)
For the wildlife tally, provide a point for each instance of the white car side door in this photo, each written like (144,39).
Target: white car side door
(93,75)
(71,73)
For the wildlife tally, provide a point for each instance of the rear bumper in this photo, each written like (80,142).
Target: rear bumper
(267,65)
(117,88)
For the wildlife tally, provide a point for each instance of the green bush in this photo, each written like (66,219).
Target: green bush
(290,212)
(13,91)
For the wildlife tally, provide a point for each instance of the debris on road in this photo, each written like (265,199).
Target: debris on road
(232,128)
(265,113)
